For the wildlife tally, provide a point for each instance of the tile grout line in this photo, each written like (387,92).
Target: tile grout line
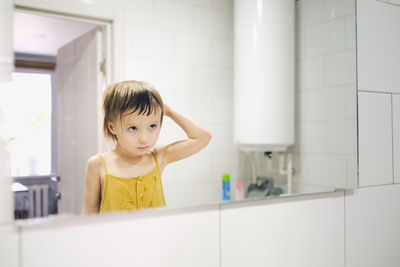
(392,133)
(345,236)
(220,235)
(357,96)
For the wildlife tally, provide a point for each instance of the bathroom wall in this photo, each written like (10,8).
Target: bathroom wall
(357,229)
(324,153)
(326,111)
(372,216)
(379,92)
(183,48)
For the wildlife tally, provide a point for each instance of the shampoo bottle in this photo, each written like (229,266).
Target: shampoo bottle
(226,187)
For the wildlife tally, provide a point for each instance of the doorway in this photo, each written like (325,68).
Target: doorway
(63,64)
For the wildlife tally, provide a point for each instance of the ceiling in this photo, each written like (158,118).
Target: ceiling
(43,35)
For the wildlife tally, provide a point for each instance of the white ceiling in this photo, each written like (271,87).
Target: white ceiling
(42,35)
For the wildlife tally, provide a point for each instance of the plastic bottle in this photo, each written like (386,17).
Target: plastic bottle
(226,187)
(239,191)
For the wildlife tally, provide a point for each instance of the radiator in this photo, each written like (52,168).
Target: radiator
(39,200)
(38,197)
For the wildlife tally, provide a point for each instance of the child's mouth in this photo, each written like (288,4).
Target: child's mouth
(143,147)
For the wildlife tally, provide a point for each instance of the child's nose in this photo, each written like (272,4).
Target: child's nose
(142,138)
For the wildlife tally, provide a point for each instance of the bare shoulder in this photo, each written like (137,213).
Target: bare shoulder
(94,164)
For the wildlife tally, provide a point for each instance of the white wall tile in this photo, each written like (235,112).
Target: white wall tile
(325,170)
(192,49)
(138,12)
(378,42)
(310,12)
(352,172)
(337,8)
(172,15)
(150,43)
(324,104)
(315,40)
(350,31)
(173,77)
(192,170)
(335,34)
(372,226)
(222,53)
(221,109)
(312,73)
(226,5)
(290,233)
(225,163)
(396,137)
(211,22)
(351,102)
(395,2)
(181,239)
(341,68)
(9,245)
(312,137)
(325,38)
(222,138)
(375,139)
(179,194)
(169,175)
(341,137)
(197,107)
(140,70)
(212,80)
(208,192)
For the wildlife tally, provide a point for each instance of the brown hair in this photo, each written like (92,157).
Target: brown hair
(124,96)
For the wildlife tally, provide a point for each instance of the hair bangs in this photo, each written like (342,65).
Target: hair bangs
(141,101)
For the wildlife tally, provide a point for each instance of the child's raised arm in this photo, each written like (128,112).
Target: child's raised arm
(92,186)
(198,138)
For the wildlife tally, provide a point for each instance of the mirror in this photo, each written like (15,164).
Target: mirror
(188,58)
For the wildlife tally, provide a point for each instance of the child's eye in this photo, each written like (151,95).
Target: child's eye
(133,128)
(153,126)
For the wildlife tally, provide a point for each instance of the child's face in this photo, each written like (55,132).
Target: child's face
(137,133)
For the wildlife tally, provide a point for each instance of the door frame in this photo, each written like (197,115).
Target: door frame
(107,55)
(104,22)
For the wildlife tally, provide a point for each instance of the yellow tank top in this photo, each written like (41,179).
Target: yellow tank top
(121,194)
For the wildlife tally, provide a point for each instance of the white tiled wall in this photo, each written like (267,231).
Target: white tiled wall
(378,40)
(375,139)
(372,227)
(184,48)
(326,128)
(396,137)
(284,234)
(180,239)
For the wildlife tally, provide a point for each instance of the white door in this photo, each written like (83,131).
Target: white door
(79,85)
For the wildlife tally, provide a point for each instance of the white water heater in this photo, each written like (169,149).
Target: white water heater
(264,62)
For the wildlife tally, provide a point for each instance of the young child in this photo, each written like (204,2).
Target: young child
(129,176)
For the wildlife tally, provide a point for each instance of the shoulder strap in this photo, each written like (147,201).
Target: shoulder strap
(154,153)
(103,162)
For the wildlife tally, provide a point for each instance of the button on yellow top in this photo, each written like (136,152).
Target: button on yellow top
(120,194)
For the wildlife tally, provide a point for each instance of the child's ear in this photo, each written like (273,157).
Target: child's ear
(111,127)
